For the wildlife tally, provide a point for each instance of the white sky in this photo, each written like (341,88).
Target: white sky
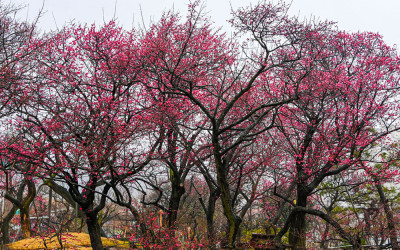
(381,16)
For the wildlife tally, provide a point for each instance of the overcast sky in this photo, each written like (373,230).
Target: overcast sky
(381,16)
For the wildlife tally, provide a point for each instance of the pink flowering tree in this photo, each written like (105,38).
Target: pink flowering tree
(347,105)
(86,117)
(238,99)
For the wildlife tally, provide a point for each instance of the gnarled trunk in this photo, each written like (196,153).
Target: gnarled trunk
(25,223)
(5,225)
(25,218)
(176,194)
(94,230)
(210,216)
(24,204)
(233,230)
(297,231)
(233,220)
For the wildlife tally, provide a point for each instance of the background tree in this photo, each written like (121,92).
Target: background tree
(16,39)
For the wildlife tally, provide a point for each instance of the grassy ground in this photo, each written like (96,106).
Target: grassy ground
(69,240)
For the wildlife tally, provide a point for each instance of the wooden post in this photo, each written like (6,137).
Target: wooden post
(188,232)
(160,212)
(50,200)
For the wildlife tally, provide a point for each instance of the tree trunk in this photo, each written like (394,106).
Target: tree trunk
(226,199)
(233,220)
(24,209)
(5,225)
(389,217)
(25,223)
(233,230)
(297,231)
(210,216)
(24,204)
(176,194)
(94,230)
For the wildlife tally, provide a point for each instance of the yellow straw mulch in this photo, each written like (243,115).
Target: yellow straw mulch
(69,240)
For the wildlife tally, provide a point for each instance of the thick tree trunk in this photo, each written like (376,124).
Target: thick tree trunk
(94,230)
(233,230)
(5,225)
(26,203)
(297,231)
(176,194)
(221,166)
(212,200)
(226,200)
(25,223)
(233,220)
